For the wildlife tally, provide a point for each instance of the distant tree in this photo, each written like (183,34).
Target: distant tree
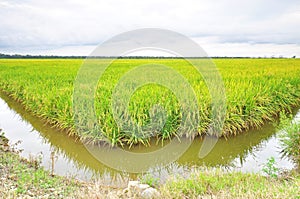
(294,57)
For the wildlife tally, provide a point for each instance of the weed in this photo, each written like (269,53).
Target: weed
(290,138)
(270,168)
(150,180)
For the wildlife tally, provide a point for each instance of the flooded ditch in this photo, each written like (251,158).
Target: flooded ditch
(246,152)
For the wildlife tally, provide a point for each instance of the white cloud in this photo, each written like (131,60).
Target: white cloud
(32,25)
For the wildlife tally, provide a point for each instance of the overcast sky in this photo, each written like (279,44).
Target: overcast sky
(221,27)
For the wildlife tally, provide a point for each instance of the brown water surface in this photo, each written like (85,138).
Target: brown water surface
(246,152)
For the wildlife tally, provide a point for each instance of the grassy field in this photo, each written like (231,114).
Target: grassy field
(256,91)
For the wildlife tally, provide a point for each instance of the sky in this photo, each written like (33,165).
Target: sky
(255,28)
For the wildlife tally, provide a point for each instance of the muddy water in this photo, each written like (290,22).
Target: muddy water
(246,152)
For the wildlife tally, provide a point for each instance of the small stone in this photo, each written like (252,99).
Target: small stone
(52,189)
(133,184)
(150,193)
(30,193)
(137,186)
(142,187)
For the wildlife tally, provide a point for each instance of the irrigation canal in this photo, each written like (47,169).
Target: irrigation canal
(247,152)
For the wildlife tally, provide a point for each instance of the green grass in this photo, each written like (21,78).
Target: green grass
(22,178)
(290,139)
(256,91)
(216,183)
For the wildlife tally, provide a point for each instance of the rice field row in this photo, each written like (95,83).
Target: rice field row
(256,91)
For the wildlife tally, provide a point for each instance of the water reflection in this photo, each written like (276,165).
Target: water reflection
(245,152)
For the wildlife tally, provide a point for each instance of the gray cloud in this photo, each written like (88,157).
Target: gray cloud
(56,24)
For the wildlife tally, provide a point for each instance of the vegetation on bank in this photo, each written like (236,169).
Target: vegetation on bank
(21,178)
(25,178)
(215,183)
(218,184)
(256,91)
(290,139)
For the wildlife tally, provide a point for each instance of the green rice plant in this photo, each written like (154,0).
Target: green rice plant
(256,91)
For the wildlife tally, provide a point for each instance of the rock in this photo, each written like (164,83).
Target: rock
(132,184)
(150,193)
(137,186)
(142,187)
